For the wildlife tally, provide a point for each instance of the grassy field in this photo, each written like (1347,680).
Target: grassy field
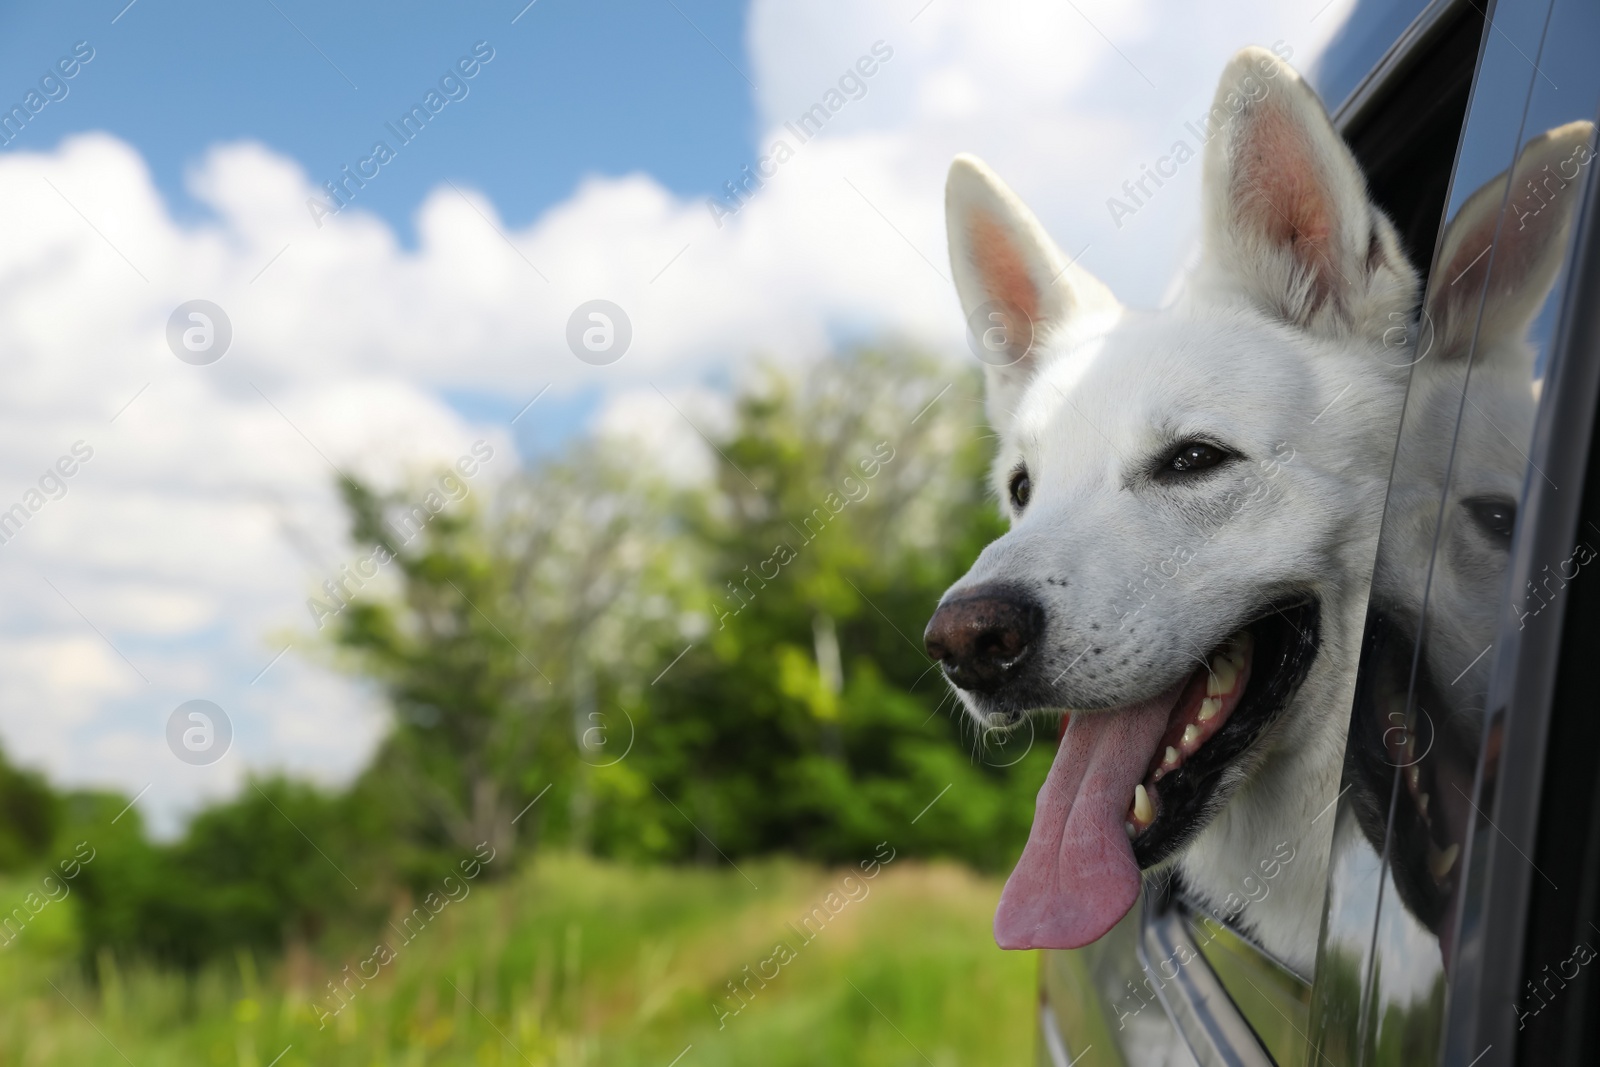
(570,962)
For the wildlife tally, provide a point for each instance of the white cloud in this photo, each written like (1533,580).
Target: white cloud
(206,515)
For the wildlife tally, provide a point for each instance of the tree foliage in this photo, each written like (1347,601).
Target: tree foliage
(613,656)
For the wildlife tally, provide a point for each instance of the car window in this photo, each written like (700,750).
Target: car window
(1505,892)
(1412,798)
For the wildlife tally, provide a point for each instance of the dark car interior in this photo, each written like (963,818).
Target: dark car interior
(1405,134)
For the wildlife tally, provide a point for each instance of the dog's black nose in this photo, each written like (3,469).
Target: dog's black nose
(982,636)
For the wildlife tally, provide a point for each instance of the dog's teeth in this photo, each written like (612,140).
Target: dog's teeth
(1439,863)
(1209,708)
(1130,829)
(1170,759)
(1223,675)
(1191,737)
(1238,649)
(1143,811)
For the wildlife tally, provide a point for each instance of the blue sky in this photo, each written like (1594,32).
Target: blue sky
(575,88)
(390,339)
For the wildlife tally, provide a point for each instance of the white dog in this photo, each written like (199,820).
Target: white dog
(1194,497)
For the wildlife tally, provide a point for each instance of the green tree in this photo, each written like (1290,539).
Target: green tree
(673,670)
(808,719)
(510,629)
(29,813)
(677,670)
(282,861)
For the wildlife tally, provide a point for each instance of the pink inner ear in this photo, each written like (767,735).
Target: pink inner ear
(1538,211)
(1277,192)
(1460,282)
(1001,266)
(1529,242)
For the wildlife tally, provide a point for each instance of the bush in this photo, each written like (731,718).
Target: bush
(671,672)
(283,861)
(29,813)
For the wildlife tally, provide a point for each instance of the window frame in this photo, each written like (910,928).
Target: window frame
(1489,973)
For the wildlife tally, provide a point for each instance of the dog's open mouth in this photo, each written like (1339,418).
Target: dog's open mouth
(1222,710)
(1131,785)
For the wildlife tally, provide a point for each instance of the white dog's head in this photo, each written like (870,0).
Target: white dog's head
(1193,496)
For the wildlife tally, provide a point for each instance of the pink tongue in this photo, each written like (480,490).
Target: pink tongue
(1077,875)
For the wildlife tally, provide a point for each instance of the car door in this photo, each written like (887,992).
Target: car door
(1432,872)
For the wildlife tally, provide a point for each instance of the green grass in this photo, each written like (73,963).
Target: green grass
(570,962)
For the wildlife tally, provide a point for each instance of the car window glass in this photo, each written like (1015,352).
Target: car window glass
(1392,923)
(1553,992)
(1367,33)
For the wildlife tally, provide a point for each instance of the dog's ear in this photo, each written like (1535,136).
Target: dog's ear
(1286,213)
(1016,286)
(1546,185)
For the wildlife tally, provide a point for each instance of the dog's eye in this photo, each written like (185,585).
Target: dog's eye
(1191,457)
(1021,488)
(1493,517)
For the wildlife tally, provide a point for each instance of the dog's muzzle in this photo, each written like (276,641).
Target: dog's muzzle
(984,636)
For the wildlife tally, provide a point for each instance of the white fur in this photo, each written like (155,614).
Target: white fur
(1282,349)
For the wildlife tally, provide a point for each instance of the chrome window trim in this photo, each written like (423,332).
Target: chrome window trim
(1200,910)
(1431,24)
(1194,998)
(1055,1044)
